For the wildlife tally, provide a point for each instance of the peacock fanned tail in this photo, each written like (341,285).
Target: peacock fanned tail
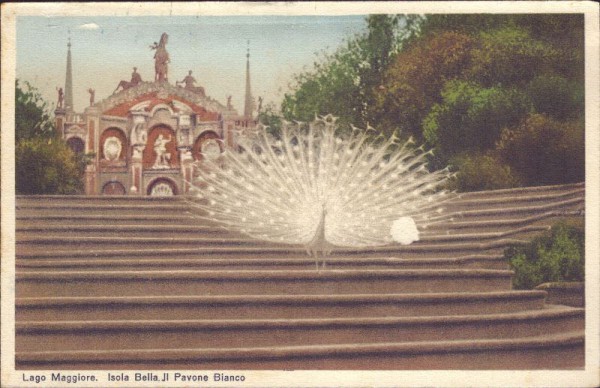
(319,189)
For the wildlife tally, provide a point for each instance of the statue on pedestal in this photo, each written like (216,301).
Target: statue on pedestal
(61,97)
(136,78)
(161,59)
(162,156)
(92,93)
(260,101)
(189,82)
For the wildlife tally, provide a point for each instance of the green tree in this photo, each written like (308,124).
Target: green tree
(31,113)
(44,164)
(271,119)
(330,87)
(544,151)
(557,96)
(343,83)
(478,172)
(47,166)
(464,79)
(509,56)
(412,83)
(471,118)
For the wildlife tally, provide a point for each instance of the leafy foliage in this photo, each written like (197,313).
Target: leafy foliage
(344,83)
(481,172)
(471,117)
(545,151)
(509,56)
(558,255)
(44,163)
(556,96)
(331,87)
(46,166)
(31,116)
(270,118)
(458,82)
(413,81)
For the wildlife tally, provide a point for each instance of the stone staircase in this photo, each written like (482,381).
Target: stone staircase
(126,282)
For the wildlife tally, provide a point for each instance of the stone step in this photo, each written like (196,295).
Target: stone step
(415,250)
(461,203)
(29,238)
(65,234)
(554,351)
(521,231)
(465,201)
(129,200)
(154,214)
(232,333)
(188,282)
(501,225)
(509,211)
(533,190)
(67,210)
(132,229)
(236,263)
(300,306)
(32,218)
(523,192)
(75,241)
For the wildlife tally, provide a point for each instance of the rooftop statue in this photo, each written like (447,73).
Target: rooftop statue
(136,78)
(61,97)
(92,93)
(189,82)
(161,59)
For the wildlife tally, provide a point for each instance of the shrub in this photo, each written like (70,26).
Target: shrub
(481,172)
(414,80)
(471,118)
(510,56)
(544,151)
(47,166)
(556,96)
(558,255)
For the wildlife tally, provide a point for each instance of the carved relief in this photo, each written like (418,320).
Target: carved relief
(163,157)
(138,140)
(162,187)
(112,148)
(161,149)
(209,143)
(211,149)
(113,188)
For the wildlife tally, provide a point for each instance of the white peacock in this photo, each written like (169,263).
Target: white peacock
(316,188)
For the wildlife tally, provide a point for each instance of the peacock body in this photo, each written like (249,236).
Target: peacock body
(316,188)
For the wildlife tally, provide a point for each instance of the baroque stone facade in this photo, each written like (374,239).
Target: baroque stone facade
(146,138)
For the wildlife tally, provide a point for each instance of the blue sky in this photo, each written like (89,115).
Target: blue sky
(104,50)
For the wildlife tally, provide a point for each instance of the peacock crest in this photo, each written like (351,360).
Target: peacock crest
(315,187)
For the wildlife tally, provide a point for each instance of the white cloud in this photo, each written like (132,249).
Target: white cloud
(88,26)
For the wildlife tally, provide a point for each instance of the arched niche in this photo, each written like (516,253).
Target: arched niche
(113,188)
(161,149)
(206,143)
(76,144)
(113,146)
(162,187)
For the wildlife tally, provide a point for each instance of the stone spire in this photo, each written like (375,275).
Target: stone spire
(248,102)
(69,81)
